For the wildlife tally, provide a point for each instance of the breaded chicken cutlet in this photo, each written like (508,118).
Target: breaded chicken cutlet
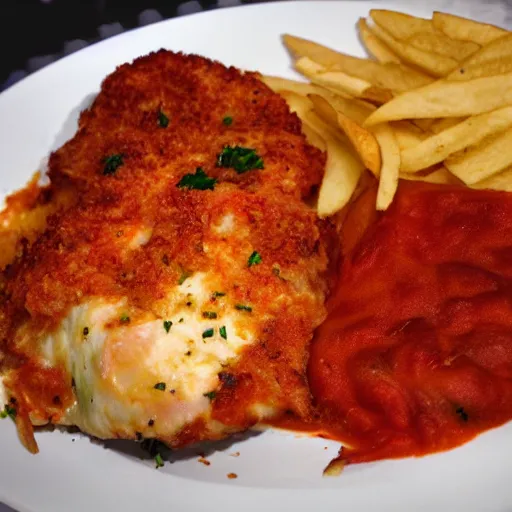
(174,298)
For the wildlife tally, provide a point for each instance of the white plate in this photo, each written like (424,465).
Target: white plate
(275,470)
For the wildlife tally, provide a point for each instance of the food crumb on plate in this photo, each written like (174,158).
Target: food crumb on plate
(232,476)
(204,461)
(235,454)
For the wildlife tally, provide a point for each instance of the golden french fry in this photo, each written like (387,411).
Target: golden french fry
(501,181)
(342,170)
(407,134)
(390,153)
(464,29)
(440,176)
(340,82)
(387,76)
(362,140)
(334,80)
(483,160)
(439,125)
(448,99)
(355,109)
(401,25)
(437,42)
(301,105)
(374,46)
(277,84)
(467,133)
(432,63)
(423,124)
(492,59)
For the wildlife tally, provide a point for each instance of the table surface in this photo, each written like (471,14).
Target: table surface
(498,12)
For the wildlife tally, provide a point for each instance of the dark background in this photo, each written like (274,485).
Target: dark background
(29,28)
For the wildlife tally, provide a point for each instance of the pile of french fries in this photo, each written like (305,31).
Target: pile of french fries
(433,103)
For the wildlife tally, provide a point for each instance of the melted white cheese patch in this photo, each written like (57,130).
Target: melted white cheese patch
(116,366)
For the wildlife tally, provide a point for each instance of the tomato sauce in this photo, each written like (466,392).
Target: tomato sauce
(415,356)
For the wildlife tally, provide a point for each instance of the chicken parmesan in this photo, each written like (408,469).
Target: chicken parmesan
(173,293)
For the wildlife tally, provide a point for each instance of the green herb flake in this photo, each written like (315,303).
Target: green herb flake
(209,314)
(227,121)
(163,120)
(462,413)
(184,276)
(223,333)
(254,259)
(180,321)
(167,325)
(243,307)
(160,386)
(8,411)
(112,163)
(210,395)
(198,181)
(215,295)
(159,461)
(240,159)
(125,319)
(208,333)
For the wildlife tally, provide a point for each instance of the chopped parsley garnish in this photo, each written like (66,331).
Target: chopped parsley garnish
(163,120)
(180,321)
(8,411)
(228,121)
(240,159)
(243,307)
(159,461)
(209,314)
(112,163)
(254,259)
(211,395)
(223,333)
(167,325)
(217,294)
(198,181)
(463,414)
(86,331)
(160,386)
(125,319)
(184,276)
(208,333)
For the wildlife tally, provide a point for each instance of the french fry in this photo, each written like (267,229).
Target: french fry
(407,135)
(342,170)
(301,105)
(437,42)
(501,181)
(432,63)
(387,76)
(357,110)
(439,125)
(401,25)
(390,153)
(340,82)
(440,176)
(467,133)
(464,29)
(483,160)
(492,59)
(278,84)
(374,45)
(448,99)
(363,141)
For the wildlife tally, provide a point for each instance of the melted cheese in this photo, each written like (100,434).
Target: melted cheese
(115,366)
